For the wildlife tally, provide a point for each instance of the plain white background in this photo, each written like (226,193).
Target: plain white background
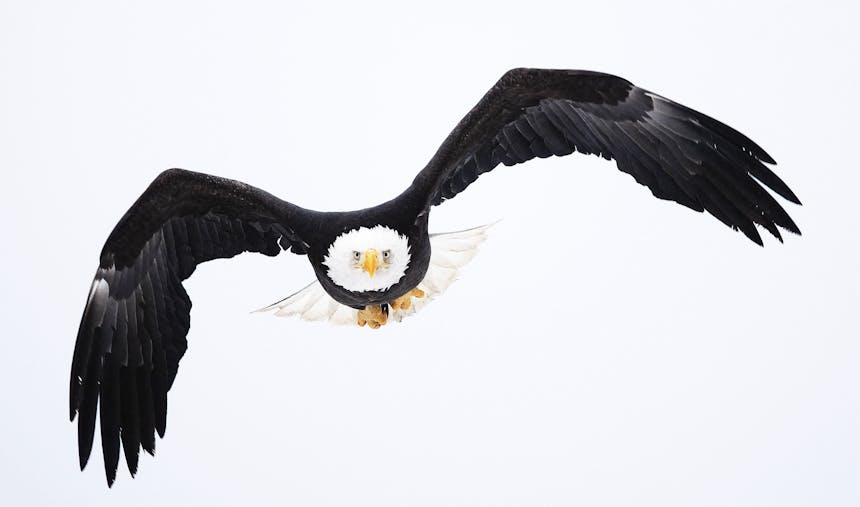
(604,348)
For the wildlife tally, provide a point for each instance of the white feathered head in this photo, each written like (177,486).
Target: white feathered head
(368,259)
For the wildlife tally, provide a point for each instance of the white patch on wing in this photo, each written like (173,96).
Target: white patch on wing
(347,273)
(450,251)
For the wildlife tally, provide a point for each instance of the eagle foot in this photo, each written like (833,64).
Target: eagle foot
(373,316)
(404,302)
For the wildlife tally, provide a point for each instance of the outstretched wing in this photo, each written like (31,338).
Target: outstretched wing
(680,154)
(132,333)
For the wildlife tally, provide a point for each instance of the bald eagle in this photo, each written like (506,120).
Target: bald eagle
(380,262)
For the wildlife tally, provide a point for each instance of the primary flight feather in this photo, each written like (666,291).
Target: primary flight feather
(379,262)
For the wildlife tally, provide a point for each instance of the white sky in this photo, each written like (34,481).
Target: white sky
(604,348)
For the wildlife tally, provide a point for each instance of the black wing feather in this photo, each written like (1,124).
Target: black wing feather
(133,330)
(680,154)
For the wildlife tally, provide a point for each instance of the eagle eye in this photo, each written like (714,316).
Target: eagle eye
(356,255)
(386,254)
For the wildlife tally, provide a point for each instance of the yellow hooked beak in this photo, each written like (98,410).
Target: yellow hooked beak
(371,262)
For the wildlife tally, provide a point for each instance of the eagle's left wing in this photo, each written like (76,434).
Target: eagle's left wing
(680,154)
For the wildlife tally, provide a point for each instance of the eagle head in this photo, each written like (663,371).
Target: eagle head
(368,259)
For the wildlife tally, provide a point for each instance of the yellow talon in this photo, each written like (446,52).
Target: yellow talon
(373,316)
(404,302)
